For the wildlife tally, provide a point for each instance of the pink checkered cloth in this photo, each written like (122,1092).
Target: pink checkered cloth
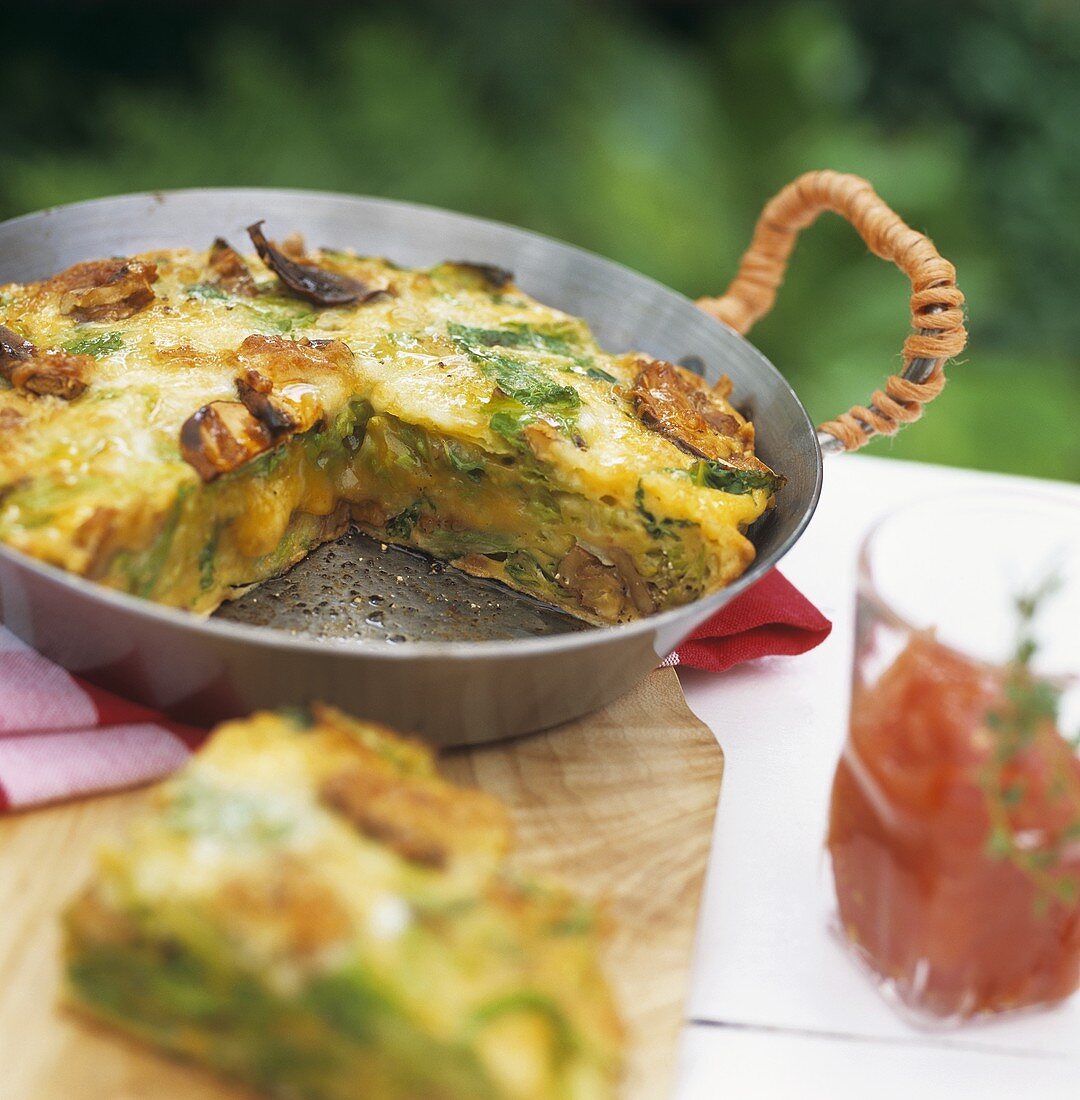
(63,738)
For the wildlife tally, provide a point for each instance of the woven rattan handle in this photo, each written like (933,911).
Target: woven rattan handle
(936,301)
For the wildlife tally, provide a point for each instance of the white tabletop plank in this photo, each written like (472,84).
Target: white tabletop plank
(765,957)
(767,1065)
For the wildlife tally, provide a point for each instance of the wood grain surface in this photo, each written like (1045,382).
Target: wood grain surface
(620,804)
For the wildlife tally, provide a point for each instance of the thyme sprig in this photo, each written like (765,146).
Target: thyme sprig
(1029,704)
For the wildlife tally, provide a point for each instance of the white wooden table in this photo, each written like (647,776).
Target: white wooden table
(776,1008)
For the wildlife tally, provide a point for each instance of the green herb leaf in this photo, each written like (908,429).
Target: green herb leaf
(999,843)
(207,559)
(517,335)
(657,528)
(714,474)
(528,385)
(510,425)
(1067,889)
(519,379)
(526,570)
(460,458)
(103,343)
(1011,796)
(206,291)
(401,525)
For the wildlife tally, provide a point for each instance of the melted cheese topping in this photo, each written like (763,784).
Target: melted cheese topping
(94,484)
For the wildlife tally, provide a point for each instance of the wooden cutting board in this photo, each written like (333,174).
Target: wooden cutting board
(620,804)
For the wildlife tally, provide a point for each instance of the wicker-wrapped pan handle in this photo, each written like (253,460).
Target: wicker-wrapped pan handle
(936,301)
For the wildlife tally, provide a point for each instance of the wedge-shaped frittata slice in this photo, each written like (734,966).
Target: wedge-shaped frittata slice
(182,425)
(311,909)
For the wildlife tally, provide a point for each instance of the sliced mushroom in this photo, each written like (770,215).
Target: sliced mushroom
(228,270)
(324,288)
(418,816)
(294,247)
(221,437)
(106,290)
(52,373)
(295,409)
(491,276)
(636,585)
(96,536)
(681,406)
(542,438)
(598,587)
(13,346)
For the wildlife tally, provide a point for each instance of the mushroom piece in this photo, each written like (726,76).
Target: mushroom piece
(107,290)
(13,346)
(52,373)
(284,360)
(294,247)
(295,409)
(324,288)
(599,587)
(96,536)
(228,270)
(636,586)
(696,418)
(419,816)
(677,404)
(491,275)
(221,437)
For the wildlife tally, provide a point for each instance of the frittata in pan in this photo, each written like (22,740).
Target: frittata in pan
(311,909)
(182,425)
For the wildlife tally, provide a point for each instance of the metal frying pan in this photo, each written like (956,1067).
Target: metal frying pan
(383,632)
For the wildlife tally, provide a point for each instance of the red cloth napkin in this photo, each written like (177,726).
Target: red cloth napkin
(63,738)
(770,618)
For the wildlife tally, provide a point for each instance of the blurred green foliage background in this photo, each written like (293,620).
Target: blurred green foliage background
(650,132)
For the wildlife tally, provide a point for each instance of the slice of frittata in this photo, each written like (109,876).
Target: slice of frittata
(182,425)
(313,910)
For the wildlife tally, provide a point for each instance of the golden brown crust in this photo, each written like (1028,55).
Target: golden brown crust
(282,360)
(370,513)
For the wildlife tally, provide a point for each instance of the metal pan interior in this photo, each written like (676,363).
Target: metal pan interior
(360,589)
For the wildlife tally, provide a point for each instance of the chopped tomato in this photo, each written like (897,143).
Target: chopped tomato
(954,849)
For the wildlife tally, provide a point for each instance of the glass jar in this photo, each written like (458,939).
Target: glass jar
(954,827)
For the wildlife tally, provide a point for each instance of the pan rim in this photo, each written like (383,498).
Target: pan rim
(280,639)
